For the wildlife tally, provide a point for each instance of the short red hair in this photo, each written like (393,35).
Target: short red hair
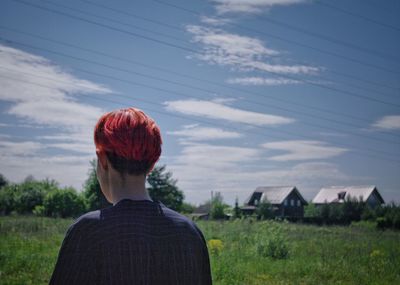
(131,140)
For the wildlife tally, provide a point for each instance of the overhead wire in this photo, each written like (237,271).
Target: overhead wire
(211,92)
(337,90)
(363,152)
(291,41)
(203,80)
(310,33)
(356,15)
(181,40)
(115,21)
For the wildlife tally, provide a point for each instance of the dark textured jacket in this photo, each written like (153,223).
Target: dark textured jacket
(133,242)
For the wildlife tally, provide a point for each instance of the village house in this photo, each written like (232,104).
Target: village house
(286,201)
(339,194)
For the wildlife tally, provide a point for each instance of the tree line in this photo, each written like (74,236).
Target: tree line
(47,198)
(351,210)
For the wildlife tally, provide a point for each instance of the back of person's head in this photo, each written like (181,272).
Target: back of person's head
(130,139)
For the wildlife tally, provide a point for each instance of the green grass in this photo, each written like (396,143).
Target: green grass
(317,255)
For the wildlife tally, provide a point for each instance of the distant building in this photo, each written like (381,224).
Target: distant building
(339,194)
(286,201)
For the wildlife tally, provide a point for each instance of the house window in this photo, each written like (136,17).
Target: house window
(298,203)
(285,203)
(292,202)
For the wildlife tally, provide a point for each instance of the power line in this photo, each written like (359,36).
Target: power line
(169,71)
(366,150)
(267,34)
(136,35)
(132,72)
(190,77)
(178,39)
(201,98)
(196,52)
(365,18)
(116,21)
(310,33)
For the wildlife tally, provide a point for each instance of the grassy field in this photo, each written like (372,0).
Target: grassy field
(242,252)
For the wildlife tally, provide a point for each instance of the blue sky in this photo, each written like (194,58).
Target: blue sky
(246,93)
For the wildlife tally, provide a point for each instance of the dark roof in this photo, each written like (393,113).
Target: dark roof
(274,194)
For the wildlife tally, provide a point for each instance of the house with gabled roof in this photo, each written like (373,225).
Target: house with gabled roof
(286,201)
(339,194)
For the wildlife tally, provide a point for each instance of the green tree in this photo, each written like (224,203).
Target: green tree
(7,198)
(187,208)
(237,213)
(264,210)
(24,197)
(95,199)
(217,207)
(3,181)
(63,203)
(325,212)
(311,211)
(163,188)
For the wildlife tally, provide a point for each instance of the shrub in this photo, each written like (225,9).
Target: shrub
(63,203)
(311,211)
(39,211)
(22,198)
(217,211)
(7,198)
(264,210)
(381,223)
(272,243)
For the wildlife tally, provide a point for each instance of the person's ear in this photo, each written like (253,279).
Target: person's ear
(102,159)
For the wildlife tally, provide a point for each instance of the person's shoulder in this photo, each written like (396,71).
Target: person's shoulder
(86,221)
(181,220)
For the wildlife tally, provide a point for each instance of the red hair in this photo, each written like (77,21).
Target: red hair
(131,140)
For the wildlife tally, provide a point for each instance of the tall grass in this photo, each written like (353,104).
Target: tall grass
(241,252)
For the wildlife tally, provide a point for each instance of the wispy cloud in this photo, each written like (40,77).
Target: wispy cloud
(262,81)
(236,171)
(26,148)
(214,21)
(240,52)
(217,111)
(49,100)
(42,94)
(388,123)
(250,6)
(303,150)
(198,133)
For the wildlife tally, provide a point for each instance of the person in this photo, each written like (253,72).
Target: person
(137,240)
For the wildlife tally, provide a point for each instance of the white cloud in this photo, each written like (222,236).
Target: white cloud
(214,21)
(250,6)
(68,170)
(240,52)
(197,133)
(303,150)
(262,81)
(237,171)
(41,94)
(221,112)
(230,44)
(388,123)
(224,100)
(20,159)
(27,148)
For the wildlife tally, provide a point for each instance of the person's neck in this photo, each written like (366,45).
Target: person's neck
(132,187)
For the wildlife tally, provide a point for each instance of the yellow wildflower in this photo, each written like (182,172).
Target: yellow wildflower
(215,246)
